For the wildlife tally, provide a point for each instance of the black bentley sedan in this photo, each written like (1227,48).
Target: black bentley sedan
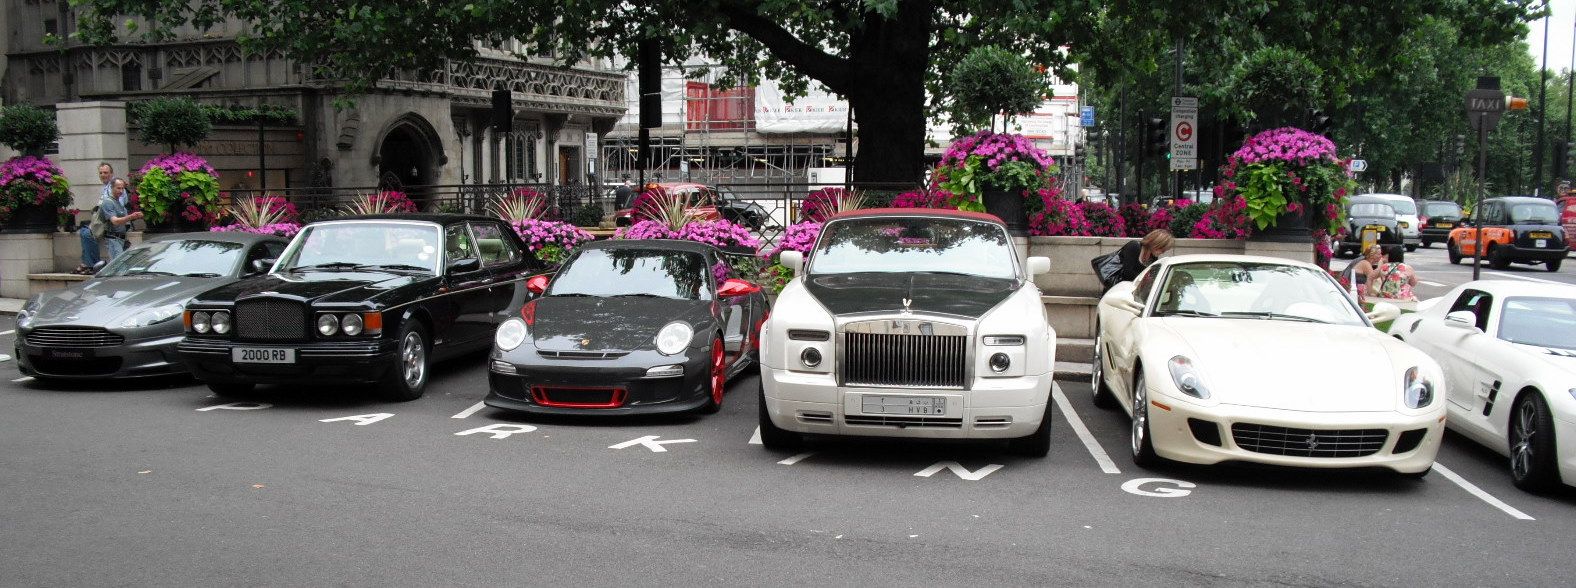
(628,326)
(371,299)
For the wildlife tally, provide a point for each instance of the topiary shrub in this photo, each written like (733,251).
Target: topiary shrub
(27,128)
(586,216)
(991,80)
(172,122)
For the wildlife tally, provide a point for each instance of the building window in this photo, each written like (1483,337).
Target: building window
(131,77)
(709,108)
(51,27)
(520,156)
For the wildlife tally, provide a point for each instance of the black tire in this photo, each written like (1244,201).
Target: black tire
(1453,253)
(407,378)
(1534,466)
(718,371)
(1102,393)
(773,437)
(1411,248)
(1036,444)
(1553,265)
(1426,243)
(1139,442)
(232,389)
(1497,258)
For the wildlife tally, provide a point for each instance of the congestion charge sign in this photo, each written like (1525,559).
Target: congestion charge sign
(1184,133)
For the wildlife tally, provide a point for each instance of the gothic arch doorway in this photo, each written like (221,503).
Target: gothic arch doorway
(409,155)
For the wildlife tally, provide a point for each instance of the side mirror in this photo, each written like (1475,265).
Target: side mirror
(1384,312)
(1462,319)
(537,284)
(460,266)
(793,260)
(1128,304)
(1039,265)
(735,287)
(262,265)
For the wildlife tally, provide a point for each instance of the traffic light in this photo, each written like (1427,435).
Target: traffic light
(1159,137)
(1319,122)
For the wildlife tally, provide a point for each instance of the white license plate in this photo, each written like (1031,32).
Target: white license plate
(262,355)
(930,405)
(1541,243)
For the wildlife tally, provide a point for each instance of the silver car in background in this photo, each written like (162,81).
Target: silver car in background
(126,320)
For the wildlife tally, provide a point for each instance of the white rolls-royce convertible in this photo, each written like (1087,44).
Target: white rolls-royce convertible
(1509,351)
(1254,359)
(909,323)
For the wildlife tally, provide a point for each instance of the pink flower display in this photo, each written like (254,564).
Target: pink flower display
(1060,218)
(931,198)
(1287,145)
(1228,219)
(996,149)
(799,237)
(719,233)
(286,230)
(1136,219)
(29,181)
(175,163)
(544,233)
(1102,220)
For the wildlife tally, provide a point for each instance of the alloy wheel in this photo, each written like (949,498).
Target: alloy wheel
(413,359)
(1140,415)
(1097,371)
(719,372)
(1524,431)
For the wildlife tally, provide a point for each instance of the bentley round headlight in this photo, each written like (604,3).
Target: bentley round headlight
(1000,362)
(510,334)
(1186,377)
(220,322)
(327,324)
(1417,390)
(200,321)
(674,337)
(810,357)
(351,324)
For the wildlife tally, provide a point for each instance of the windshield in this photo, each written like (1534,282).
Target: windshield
(1544,322)
(1368,209)
(905,244)
(342,245)
(186,257)
(1255,291)
(633,272)
(1442,209)
(1534,213)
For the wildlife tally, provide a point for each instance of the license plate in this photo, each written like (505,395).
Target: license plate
(262,355)
(1541,243)
(929,405)
(1442,225)
(68,353)
(1375,228)
(1541,235)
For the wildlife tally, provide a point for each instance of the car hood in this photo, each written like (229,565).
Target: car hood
(968,296)
(1563,360)
(109,301)
(1289,365)
(315,286)
(624,323)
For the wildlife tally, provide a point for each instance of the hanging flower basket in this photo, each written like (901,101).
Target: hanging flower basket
(33,191)
(998,173)
(1292,183)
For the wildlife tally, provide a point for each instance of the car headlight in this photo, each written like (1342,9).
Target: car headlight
(1416,389)
(220,322)
(351,324)
(1187,378)
(200,322)
(510,334)
(152,316)
(24,319)
(327,324)
(674,337)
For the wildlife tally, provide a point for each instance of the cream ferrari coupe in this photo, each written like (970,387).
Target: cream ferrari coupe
(1253,359)
(1509,351)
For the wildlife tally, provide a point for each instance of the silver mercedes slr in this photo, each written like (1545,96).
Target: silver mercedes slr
(126,320)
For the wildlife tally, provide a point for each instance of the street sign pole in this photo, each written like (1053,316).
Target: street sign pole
(1477,207)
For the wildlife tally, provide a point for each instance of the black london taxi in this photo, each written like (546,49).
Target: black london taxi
(361,300)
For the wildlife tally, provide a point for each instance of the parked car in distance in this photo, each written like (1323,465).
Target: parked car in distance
(1375,215)
(706,203)
(1516,229)
(1406,218)
(124,321)
(1508,349)
(369,299)
(1438,218)
(1219,358)
(628,327)
(909,323)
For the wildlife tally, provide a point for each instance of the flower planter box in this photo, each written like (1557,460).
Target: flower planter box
(32,219)
(1071,274)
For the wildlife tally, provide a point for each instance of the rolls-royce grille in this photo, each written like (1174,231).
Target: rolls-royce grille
(918,361)
(269,319)
(1308,442)
(73,337)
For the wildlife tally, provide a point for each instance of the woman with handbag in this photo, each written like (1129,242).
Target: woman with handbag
(1124,265)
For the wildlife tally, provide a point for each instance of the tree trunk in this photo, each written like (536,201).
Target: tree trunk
(889,59)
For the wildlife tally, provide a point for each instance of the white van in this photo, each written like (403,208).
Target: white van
(1406,218)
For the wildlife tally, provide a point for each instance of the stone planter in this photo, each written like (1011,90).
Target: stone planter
(1071,274)
(1009,207)
(1289,227)
(32,219)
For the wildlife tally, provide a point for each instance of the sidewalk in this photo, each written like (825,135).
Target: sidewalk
(10,306)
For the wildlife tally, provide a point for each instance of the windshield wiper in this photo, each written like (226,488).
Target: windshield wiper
(147,273)
(1274,316)
(329,265)
(201,275)
(640,295)
(567,294)
(1186,313)
(394,266)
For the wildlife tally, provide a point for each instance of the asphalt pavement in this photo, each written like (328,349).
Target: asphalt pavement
(160,483)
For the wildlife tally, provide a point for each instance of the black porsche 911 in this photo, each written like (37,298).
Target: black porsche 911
(625,327)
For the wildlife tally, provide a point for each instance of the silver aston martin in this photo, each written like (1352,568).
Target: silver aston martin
(126,320)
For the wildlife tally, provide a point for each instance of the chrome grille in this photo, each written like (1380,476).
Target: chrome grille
(73,337)
(270,319)
(1308,442)
(912,360)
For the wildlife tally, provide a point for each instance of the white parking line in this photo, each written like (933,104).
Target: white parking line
(797,458)
(1106,465)
(756,438)
(470,411)
(7,332)
(1530,278)
(4,357)
(23,379)
(1478,492)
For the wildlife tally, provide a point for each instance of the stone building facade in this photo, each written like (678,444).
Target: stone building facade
(414,128)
